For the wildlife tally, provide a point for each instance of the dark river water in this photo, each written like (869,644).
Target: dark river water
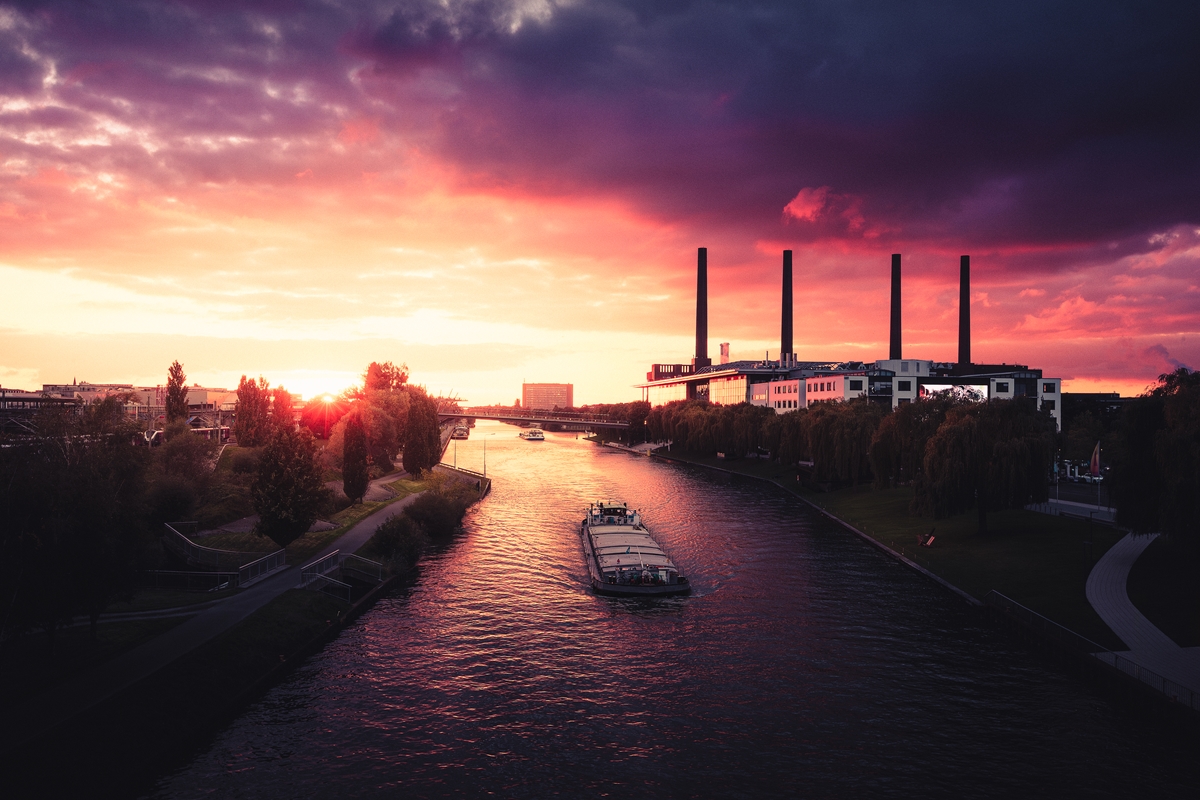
(804,663)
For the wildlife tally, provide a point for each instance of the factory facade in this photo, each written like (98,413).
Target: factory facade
(787,384)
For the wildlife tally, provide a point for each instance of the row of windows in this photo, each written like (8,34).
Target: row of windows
(786,404)
(786,389)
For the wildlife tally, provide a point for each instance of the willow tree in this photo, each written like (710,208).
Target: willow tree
(989,457)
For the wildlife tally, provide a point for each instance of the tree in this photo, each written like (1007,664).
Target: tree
(988,456)
(385,377)
(322,413)
(422,443)
(282,412)
(898,448)
(252,425)
(355,477)
(288,490)
(71,497)
(177,404)
(1156,475)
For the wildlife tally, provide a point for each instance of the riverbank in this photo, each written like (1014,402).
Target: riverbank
(1041,561)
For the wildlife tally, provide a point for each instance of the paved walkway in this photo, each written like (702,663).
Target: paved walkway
(44,712)
(1148,646)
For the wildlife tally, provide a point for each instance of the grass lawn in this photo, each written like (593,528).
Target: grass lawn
(1165,586)
(406,486)
(1038,560)
(25,668)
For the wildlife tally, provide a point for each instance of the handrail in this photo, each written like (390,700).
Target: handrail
(368,568)
(199,554)
(256,569)
(320,567)
(324,583)
(1127,666)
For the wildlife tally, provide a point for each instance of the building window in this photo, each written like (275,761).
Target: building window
(904,386)
(856,386)
(1002,388)
(904,366)
(1047,388)
(1048,405)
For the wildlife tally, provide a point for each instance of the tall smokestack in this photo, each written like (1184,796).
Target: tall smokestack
(785,336)
(894,350)
(964,312)
(702,359)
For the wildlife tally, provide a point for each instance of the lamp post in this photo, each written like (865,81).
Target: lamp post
(485,438)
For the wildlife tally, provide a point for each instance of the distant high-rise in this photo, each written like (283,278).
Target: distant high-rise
(547,396)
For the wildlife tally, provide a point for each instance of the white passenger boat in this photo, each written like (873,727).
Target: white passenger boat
(533,435)
(622,557)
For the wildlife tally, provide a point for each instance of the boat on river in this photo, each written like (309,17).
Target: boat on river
(461,432)
(533,435)
(622,557)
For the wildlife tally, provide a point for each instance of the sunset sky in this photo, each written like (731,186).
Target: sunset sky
(495,191)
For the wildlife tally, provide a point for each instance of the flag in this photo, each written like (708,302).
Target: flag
(1094,467)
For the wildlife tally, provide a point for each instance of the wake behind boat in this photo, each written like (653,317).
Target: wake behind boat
(622,557)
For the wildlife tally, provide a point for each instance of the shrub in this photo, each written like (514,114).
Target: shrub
(244,461)
(437,514)
(398,543)
(172,499)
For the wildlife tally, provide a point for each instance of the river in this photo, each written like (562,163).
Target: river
(804,663)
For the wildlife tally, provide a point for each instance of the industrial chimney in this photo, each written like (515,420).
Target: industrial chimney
(964,313)
(785,336)
(701,359)
(894,350)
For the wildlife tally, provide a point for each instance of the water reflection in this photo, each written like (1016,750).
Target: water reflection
(803,663)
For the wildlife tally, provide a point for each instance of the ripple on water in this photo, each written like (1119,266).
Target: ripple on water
(803,663)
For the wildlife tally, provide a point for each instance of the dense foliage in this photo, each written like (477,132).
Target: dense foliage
(1156,477)
(422,442)
(72,525)
(287,491)
(987,456)
(252,426)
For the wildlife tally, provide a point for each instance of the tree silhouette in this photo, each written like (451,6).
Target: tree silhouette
(282,412)
(252,424)
(355,477)
(422,443)
(177,404)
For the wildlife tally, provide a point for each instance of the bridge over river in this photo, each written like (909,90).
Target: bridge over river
(519,416)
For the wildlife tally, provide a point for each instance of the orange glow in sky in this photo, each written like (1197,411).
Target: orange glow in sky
(296,194)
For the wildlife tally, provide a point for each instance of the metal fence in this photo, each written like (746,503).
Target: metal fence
(256,569)
(185,581)
(1072,640)
(330,586)
(200,556)
(319,568)
(363,568)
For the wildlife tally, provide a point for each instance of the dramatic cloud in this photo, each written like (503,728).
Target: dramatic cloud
(312,169)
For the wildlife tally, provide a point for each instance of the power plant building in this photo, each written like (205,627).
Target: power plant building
(547,396)
(787,384)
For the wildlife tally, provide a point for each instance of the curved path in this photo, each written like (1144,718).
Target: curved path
(46,711)
(1148,646)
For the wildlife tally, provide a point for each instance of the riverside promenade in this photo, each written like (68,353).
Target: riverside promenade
(44,712)
(1148,646)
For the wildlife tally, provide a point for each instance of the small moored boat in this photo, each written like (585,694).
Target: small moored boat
(623,558)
